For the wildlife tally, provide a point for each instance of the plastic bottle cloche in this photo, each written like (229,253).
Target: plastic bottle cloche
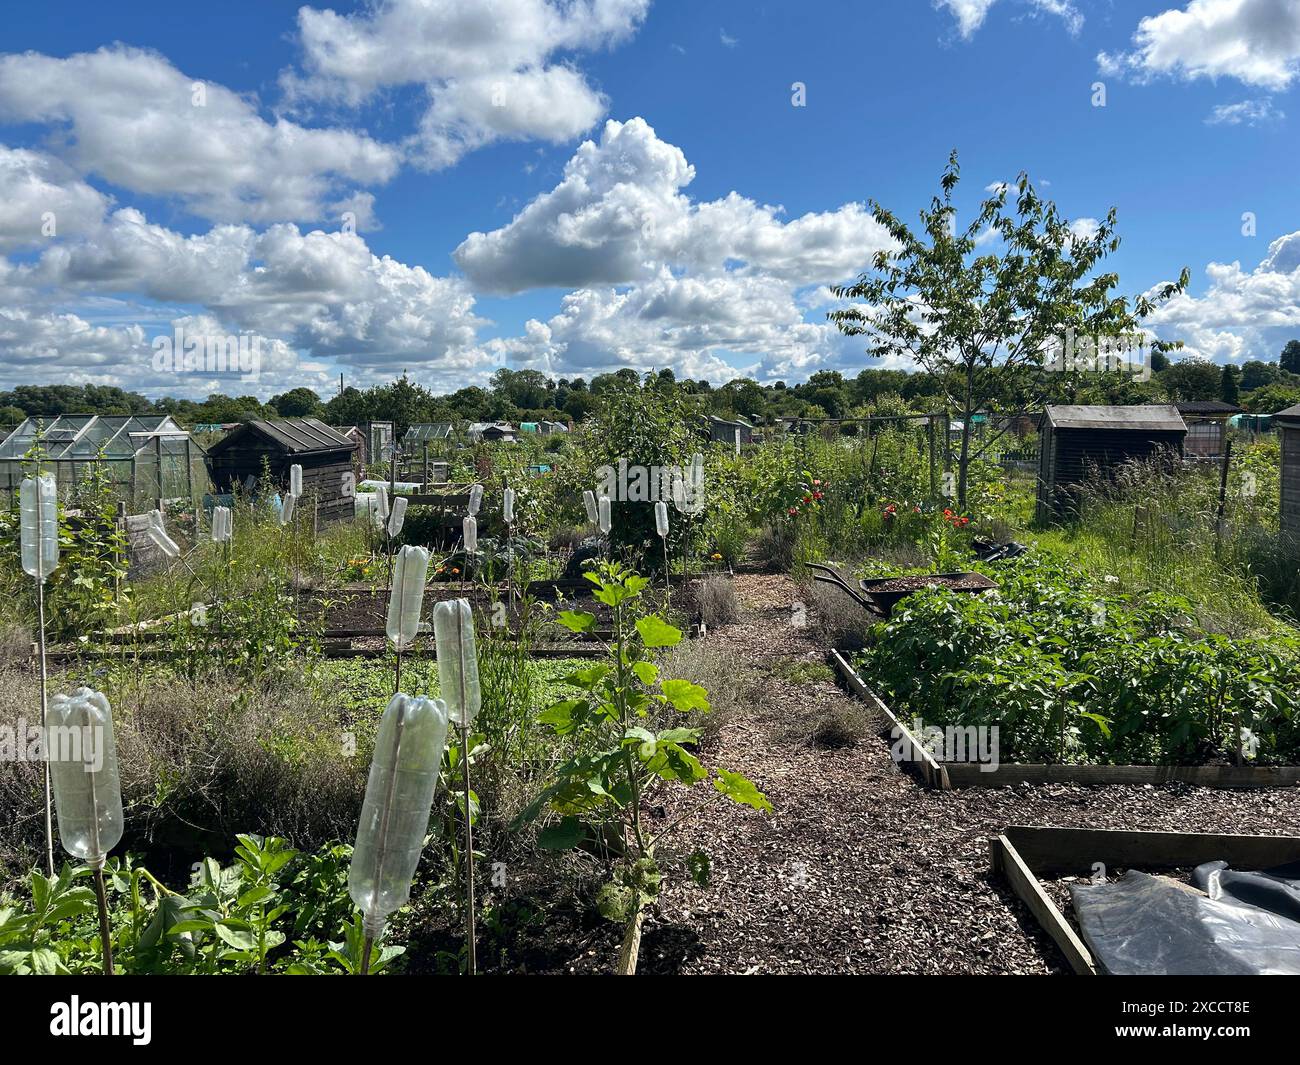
(458,684)
(397,515)
(82,753)
(39,505)
(406,600)
(395,812)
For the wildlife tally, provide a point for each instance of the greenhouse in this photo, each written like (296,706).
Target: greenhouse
(148,457)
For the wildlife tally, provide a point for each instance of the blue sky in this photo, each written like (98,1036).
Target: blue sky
(698,230)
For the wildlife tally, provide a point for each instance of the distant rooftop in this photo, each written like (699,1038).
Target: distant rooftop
(1142,417)
(1208,406)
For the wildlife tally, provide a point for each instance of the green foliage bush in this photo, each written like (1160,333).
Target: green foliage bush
(1069,673)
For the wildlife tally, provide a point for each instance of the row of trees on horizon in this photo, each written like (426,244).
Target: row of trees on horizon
(524,395)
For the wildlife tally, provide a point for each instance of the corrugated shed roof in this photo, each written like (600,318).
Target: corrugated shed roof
(301,435)
(1208,406)
(1291,414)
(295,436)
(1148,417)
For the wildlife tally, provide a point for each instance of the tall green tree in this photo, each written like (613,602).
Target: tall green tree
(1229,391)
(983,322)
(1291,357)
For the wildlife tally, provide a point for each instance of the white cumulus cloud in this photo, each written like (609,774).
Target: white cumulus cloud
(1254,41)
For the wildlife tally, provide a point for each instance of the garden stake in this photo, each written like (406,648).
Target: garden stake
(49,824)
(661,527)
(40,557)
(508,513)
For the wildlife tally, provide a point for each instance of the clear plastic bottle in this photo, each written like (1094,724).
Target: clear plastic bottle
(39,503)
(287,506)
(406,600)
(395,812)
(508,505)
(661,519)
(381,504)
(222,528)
(397,516)
(453,634)
(469,531)
(589,501)
(295,480)
(475,498)
(606,519)
(82,753)
(157,532)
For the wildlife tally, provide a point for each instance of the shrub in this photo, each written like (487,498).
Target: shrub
(716,597)
(200,764)
(1069,674)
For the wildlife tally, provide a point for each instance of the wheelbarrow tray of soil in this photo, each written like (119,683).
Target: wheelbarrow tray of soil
(885,592)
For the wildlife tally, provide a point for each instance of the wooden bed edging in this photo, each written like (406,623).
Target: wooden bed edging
(160,654)
(932,773)
(1023,853)
(946,775)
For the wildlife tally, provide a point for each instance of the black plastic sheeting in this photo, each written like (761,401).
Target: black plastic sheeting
(1225,923)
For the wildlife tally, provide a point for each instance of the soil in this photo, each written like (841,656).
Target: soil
(969,582)
(858,869)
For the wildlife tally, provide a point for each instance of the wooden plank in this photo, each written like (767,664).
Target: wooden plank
(162,654)
(1007,861)
(969,775)
(1055,852)
(932,773)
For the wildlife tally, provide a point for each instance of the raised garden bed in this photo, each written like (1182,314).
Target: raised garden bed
(947,774)
(1026,856)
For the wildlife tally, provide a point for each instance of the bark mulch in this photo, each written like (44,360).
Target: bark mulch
(859,869)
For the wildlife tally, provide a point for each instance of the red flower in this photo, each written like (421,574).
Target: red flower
(794,510)
(817,495)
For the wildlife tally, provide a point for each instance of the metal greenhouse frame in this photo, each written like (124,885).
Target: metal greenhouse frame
(150,458)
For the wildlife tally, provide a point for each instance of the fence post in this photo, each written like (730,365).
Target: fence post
(1223,497)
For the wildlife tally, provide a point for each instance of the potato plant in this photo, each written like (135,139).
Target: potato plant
(1070,674)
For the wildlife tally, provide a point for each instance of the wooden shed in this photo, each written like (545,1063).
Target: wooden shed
(1207,426)
(1077,440)
(324,454)
(725,430)
(1288,425)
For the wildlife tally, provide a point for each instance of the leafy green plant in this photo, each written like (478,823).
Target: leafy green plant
(620,753)
(271,910)
(1073,673)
